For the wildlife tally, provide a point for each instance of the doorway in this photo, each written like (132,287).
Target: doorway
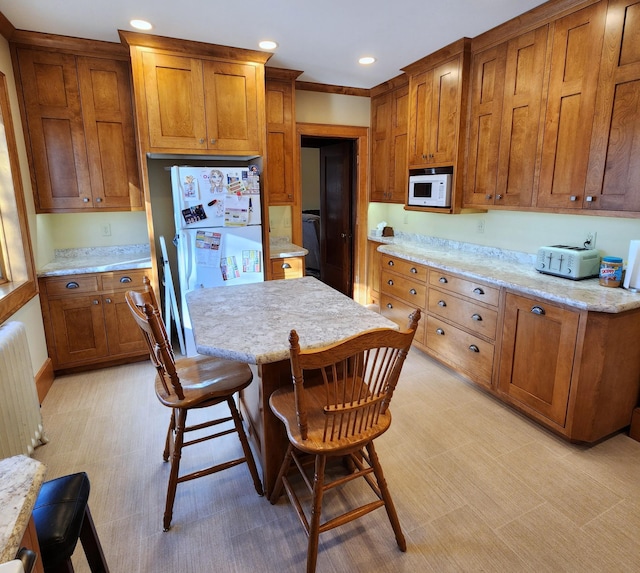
(339,202)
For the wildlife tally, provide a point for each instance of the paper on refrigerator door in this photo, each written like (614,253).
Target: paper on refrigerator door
(632,274)
(236,210)
(208,249)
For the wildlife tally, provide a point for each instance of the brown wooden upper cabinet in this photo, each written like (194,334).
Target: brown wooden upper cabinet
(389,133)
(576,48)
(614,169)
(197,98)
(78,119)
(437,106)
(279,174)
(504,125)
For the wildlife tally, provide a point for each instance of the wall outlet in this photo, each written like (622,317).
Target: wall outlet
(590,243)
(106,230)
(405,219)
(480,226)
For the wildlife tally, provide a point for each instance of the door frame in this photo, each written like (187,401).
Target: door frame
(361,137)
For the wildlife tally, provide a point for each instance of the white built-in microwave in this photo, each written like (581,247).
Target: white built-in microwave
(430,190)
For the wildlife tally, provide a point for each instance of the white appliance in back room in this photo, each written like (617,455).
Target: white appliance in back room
(218,221)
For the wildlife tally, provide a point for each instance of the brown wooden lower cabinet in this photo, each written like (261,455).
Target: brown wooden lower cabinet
(87,321)
(287,268)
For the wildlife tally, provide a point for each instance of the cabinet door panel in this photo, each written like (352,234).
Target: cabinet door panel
(78,327)
(108,125)
(445,112)
(613,167)
(175,101)
(231,99)
(123,334)
(538,348)
(54,119)
(399,144)
(381,136)
(576,45)
(421,93)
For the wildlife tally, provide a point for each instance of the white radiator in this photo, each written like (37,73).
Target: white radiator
(20,418)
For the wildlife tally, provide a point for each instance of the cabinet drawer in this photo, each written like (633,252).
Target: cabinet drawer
(70,285)
(131,279)
(399,312)
(465,287)
(466,313)
(287,268)
(406,289)
(460,350)
(407,268)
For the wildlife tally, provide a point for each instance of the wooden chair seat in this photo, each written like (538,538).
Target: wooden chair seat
(336,407)
(187,384)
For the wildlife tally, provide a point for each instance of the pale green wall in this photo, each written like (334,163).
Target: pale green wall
(513,230)
(333,109)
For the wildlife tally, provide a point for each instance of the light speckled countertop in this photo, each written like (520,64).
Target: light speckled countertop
(509,269)
(20,480)
(281,248)
(251,323)
(97,260)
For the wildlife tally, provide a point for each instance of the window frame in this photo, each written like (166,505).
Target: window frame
(18,285)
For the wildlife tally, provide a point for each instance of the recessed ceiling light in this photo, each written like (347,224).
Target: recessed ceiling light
(268,45)
(141,24)
(367,60)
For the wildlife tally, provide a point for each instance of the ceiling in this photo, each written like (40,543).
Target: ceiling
(324,39)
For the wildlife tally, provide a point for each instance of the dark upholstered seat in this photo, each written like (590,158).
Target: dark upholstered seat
(61,515)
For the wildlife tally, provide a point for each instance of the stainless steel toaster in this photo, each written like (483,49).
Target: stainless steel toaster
(574,263)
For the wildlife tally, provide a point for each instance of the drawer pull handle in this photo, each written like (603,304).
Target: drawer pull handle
(286,266)
(478,290)
(476,317)
(125,279)
(390,282)
(390,263)
(537,310)
(474,348)
(414,270)
(389,305)
(439,332)
(107,300)
(442,303)
(73,284)
(413,291)
(443,280)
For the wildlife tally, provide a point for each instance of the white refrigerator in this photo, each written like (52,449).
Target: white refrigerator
(218,238)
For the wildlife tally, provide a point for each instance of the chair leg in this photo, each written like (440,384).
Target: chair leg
(91,545)
(386,497)
(169,440)
(181,423)
(316,512)
(284,468)
(245,445)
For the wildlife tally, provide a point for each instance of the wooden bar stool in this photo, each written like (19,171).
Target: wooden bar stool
(61,515)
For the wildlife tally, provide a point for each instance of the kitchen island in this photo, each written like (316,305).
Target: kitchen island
(251,323)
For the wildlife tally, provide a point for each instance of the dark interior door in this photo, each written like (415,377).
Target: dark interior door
(336,237)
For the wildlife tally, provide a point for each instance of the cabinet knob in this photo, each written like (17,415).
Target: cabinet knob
(85,199)
(98,199)
(390,263)
(201,140)
(443,280)
(414,270)
(96,301)
(73,284)
(390,282)
(488,196)
(213,141)
(476,317)
(439,332)
(125,279)
(573,198)
(442,303)
(478,290)
(286,266)
(498,196)
(589,198)
(474,348)
(537,310)
(107,300)
(389,305)
(413,291)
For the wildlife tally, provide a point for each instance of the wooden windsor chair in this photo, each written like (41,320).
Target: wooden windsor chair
(339,415)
